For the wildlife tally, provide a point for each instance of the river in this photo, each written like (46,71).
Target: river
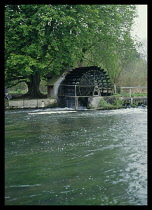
(66,157)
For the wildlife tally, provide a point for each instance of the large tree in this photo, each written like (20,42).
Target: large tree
(115,47)
(40,39)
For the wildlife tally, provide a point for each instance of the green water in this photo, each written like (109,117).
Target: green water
(77,158)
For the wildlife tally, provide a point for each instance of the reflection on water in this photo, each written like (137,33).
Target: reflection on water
(63,157)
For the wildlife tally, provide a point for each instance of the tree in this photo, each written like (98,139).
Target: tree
(134,74)
(40,39)
(115,47)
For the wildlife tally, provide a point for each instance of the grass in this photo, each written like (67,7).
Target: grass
(104,104)
(132,95)
(117,104)
(17,92)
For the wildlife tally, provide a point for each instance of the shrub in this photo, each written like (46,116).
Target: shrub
(118,103)
(104,104)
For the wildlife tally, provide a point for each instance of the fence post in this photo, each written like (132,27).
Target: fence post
(120,91)
(114,89)
(76,98)
(130,92)
(75,90)
(76,103)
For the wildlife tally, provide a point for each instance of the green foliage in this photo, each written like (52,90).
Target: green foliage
(117,103)
(18,91)
(134,105)
(104,104)
(115,47)
(134,74)
(40,39)
(133,94)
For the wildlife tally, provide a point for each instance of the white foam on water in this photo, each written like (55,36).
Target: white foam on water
(52,112)
(124,111)
(27,185)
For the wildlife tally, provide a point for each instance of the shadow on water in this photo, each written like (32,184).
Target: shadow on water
(68,157)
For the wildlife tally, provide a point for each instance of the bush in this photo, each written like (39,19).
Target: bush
(104,104)
(118,103)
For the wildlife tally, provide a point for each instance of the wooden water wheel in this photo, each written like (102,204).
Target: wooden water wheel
(86,81)
(82,83)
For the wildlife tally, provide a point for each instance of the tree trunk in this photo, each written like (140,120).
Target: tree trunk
(33,87)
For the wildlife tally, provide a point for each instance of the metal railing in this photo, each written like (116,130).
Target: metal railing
(130,89)
(114,89)
(75,90)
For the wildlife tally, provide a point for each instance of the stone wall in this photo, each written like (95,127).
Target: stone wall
(34,103)
(94,100)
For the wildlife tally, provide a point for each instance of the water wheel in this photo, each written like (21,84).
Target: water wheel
(84,82)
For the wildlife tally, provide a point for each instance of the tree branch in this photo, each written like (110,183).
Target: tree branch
(12,84)
(16,78)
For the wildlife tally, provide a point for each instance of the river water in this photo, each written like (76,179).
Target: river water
(64,157)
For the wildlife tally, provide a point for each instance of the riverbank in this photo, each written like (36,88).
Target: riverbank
(30,103)
(95,103)
(116,102)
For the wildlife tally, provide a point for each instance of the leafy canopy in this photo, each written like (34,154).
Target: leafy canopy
(50,38)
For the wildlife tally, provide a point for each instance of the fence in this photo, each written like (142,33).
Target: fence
(132,88)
